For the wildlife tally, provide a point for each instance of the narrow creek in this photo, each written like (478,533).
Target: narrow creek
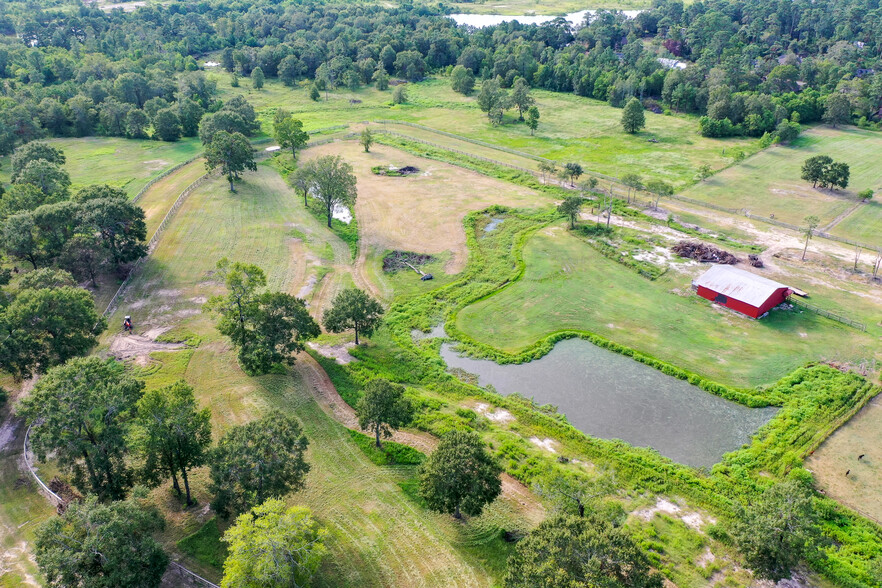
(607,395)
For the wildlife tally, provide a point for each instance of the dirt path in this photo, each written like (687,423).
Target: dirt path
(139,347)
(320,385)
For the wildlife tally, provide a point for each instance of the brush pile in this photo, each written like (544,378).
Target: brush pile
(403,260)
(703,252)
(755,260)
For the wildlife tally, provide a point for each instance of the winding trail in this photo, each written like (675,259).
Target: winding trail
(323,390)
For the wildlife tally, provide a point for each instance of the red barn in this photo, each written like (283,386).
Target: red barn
(739,290)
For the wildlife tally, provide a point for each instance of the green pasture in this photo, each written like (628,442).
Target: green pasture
(22,507)
(379,535)
(769,183)
(124,163)
(569,285)
(572,128)
(864,225)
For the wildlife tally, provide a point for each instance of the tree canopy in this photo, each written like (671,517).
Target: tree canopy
(633,117)
(231,153)
(579,551)
(333,183)
(43,327)
(778,530)
(460,476)
(171,435)
(273,546)
(570,207)
(101,546)
(290,134)
(82,411)
(383,407)
(267,328)
(256,461)
(353,309)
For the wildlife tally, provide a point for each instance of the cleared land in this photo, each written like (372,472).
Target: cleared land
(22,507)
(569,285)
(861,489)
(124,163)
(769,183)
(158,199)
(572,128)
(379,534)
(422,212)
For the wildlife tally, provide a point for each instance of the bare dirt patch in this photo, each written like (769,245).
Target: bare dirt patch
(421,212)
(691,519)
(339,353)
(499,415)
(129,346)
(546,444)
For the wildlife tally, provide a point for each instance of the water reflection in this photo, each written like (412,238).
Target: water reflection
(608,395)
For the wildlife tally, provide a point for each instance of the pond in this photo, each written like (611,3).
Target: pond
(611,396)
(577,19)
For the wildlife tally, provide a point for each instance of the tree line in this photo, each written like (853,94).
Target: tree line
(751,63)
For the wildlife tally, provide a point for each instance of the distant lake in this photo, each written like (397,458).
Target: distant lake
(489,20)
(611,396)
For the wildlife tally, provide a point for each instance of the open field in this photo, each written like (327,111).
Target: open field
(379,535)
(568,285)
(158,199)
(769,183)
(572,128)
(124,163)
(22,507)
(253,225)
(861,489)
(421,213)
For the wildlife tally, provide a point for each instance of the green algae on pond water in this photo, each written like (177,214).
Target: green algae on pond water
(611,396)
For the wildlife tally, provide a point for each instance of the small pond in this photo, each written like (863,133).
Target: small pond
(342,213)
(488,20)
(491,226)
(607,395)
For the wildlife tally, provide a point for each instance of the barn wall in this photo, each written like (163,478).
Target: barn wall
(774,300)
(738,305)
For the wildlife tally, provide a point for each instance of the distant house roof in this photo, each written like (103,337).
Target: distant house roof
(739,284)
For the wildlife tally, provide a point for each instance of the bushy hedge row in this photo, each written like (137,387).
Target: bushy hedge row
(391,454)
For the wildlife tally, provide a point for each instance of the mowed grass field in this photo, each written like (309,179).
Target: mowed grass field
(159,198)
(379,535)
(861,489)
(125,163)
(571,128)
(568,285)
(423,212)
(769,183)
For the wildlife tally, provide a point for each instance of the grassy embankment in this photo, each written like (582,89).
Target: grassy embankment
(814,402)
(769,183)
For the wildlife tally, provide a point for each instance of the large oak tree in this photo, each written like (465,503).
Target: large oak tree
(260,460)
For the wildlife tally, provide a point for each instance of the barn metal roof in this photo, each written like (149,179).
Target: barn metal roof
(738,284)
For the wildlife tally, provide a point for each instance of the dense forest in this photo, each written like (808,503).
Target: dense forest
(77,70)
